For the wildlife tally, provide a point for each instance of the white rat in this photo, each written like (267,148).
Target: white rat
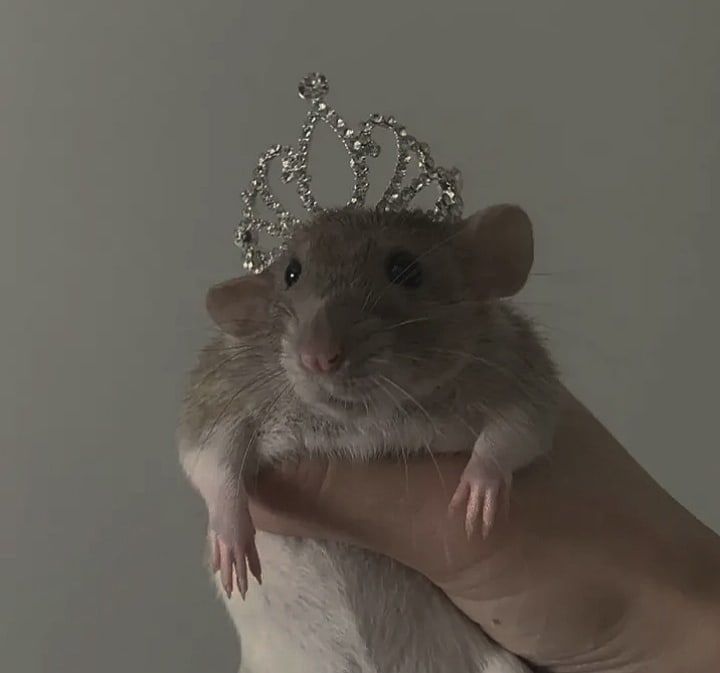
(375,334)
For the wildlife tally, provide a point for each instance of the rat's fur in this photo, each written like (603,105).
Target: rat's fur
(426,370)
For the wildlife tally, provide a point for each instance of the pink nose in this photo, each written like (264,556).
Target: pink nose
(321,361)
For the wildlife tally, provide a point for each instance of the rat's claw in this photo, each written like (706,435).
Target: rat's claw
(468,498)
(254,562)
(474,505)
(214,552)
(490,506)
(506,489)
(226,567)
(241,571)
(233,560)
(480,488)
(460,497)
(234,539)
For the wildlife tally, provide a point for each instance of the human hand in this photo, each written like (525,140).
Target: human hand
(597,569)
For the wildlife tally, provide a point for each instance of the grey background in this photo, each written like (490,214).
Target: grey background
(126,132)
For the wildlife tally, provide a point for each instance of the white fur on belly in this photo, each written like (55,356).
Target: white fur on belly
(317,613)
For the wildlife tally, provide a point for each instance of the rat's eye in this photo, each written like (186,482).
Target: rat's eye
(403,269)
(292,272)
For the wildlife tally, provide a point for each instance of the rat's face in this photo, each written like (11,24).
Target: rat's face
(378,310)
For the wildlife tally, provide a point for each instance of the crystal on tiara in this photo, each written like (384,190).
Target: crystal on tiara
(360,146)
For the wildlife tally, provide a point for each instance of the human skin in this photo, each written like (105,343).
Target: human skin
(596,569)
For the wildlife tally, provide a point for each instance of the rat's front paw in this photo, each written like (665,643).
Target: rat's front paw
(482,484)
(232,544)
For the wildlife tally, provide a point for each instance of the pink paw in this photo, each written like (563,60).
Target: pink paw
(481,487)
(234,551)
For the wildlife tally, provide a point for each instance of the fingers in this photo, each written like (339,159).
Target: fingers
(290,496)
(380,506)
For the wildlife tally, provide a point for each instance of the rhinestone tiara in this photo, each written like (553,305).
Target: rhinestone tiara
(360,147)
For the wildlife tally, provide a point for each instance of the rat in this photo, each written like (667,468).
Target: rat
(374,334)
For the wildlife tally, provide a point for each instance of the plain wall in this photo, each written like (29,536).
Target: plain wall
(127,130)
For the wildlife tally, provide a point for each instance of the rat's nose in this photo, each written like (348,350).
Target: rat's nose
(321,360)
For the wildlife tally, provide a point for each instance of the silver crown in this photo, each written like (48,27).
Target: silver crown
(360,147)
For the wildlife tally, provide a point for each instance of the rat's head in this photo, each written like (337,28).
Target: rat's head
(377,309)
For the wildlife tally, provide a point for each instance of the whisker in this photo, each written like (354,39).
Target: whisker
(209,432)
(406,322)
(395,401)
(230,349)
(559,274)
(266,411)
(212,371)
(413,400)
(259,380)
(507,373)
(403,449)
(430,250)
(441,479)
(581,340)
(286,309)
(414,358)
(368,296)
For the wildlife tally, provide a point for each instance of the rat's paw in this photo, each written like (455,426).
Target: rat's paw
(232,543)
(481,487)
(232,560)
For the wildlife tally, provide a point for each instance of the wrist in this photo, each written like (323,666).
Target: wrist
(697,649)
(699,625)
(682,613)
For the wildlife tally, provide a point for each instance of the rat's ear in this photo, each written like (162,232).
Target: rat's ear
(500,243)
(240,306)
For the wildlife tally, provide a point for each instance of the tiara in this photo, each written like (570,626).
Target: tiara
(360,147)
